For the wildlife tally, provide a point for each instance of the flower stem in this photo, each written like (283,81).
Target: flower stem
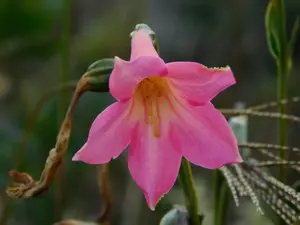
(282,125)
(220,198)
(188,186)
(282,73)
(276,28)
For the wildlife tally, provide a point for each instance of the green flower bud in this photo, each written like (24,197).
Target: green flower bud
(177,216)
(98,74)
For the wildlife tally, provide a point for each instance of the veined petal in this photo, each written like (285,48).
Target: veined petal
(126,75)
(153,162)
(108,136)
(204,137)
(141,45)
(197,83)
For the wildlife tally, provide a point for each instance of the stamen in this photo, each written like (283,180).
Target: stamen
(155,119)
(150,90)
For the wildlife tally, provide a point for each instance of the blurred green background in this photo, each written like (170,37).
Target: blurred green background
(214,33)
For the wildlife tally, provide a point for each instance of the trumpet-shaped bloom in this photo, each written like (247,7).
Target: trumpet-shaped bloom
(163,112)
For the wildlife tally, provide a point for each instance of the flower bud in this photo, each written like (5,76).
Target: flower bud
(176,216)
(98,74)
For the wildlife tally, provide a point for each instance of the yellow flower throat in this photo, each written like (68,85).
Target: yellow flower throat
(150,91)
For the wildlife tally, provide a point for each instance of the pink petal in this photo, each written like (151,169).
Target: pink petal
(108,136)
(127,75)
(197,83)
(141,45)
(153,163)
(204,137)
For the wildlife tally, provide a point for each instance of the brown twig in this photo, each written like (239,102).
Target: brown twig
(25,186)
(277,163)
(74,222)
(249,112)
(104,185)
(255,145)
(23,143)
(274,104)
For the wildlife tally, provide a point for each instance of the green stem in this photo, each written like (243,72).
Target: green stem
(282,125)
(223,203)
(220,198)
(282,73)
(216,187)
(188,186)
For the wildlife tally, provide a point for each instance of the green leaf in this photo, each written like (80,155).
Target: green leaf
(294,32)
(293,39)
(272,31)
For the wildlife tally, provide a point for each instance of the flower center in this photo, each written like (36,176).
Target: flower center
(151,90)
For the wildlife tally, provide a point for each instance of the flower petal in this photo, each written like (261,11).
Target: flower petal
(141,45)
(108,136)
(153,163)
(197,83)
(127,75)
(204,137)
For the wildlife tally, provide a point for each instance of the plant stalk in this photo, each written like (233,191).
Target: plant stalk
(188,186)
(282,77)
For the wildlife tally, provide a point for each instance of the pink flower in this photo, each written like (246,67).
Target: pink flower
(163,111)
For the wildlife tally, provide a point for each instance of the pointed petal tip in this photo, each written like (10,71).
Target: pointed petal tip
(152,202)
(228,70)
(197,83)
(118,61)
(152,208)
(78,154)
(117,58)
(239,159)
(153,199)
(76,157)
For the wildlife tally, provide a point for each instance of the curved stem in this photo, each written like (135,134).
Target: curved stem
(105,192)
(25,186)
(188,186)
(26,134)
